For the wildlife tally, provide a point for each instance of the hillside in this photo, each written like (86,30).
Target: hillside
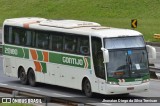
(114,13)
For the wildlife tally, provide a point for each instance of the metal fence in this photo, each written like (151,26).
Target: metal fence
(1,48)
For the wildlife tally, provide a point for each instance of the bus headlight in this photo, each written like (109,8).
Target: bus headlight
(146,80)
(112,83)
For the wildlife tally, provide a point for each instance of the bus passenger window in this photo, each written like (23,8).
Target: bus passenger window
(28,38)
(57,42)
(7,34)
(18,36)
(83,45)
(70,44)
(10,35)
(15,37)
(42,40)
(84,50)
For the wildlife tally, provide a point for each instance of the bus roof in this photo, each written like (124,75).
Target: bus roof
(70,26)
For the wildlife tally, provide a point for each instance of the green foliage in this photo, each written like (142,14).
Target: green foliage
(114,13)
(14,104)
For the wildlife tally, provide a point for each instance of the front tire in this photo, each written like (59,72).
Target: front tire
(31,78)
(87,88)
(23,76)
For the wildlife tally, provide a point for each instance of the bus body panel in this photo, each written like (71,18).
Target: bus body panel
(57,74)
(116,89)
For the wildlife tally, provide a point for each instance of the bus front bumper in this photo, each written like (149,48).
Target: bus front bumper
(117,89)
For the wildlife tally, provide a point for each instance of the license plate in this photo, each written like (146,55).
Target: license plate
(130,88)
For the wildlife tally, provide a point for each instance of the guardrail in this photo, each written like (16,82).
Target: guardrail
(154,69)
(155,72)
(45,99)
(0,48)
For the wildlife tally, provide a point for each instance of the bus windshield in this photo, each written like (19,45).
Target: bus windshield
(127,63)
(124,42)
(127,60)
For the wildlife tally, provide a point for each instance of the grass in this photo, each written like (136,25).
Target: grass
(114,13)
(15,104)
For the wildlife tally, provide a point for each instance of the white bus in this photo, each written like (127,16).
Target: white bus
(76,54)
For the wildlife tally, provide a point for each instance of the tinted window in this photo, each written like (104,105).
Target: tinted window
(42,40)
(30,38)
(56,41)
(124,42)
(83,45)
(18,36)
(70,44)
(98,57)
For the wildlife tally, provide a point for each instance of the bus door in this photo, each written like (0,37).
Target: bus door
(10,66)
(98,63)
(7,66)
(52,74)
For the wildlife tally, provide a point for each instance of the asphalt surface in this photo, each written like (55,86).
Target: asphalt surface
(56,91)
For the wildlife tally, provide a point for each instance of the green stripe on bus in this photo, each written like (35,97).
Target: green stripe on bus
(55,58)
(40,55)
(68,60)
(77,61)
(26,51)
(111,79)
(44,67)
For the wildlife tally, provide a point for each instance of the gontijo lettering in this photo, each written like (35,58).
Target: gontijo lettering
(73,61)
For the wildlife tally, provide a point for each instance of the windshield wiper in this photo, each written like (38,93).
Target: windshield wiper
(129,63)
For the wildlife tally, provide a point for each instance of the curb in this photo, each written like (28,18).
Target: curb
(153,43)
(154,80)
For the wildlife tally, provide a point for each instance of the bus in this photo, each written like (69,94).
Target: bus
(76,54)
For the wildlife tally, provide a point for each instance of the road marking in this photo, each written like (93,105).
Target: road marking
(3,84)
(158,53)
(15,86)
(155,80)
(106,104)
(29,88)
(61,95)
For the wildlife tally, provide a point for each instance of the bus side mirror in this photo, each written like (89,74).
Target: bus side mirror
(151,51)
(105,55)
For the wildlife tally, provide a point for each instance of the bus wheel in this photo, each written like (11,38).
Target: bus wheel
(87,88)
(23,76)
(31,78)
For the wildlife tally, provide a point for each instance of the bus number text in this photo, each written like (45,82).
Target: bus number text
(11,51)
